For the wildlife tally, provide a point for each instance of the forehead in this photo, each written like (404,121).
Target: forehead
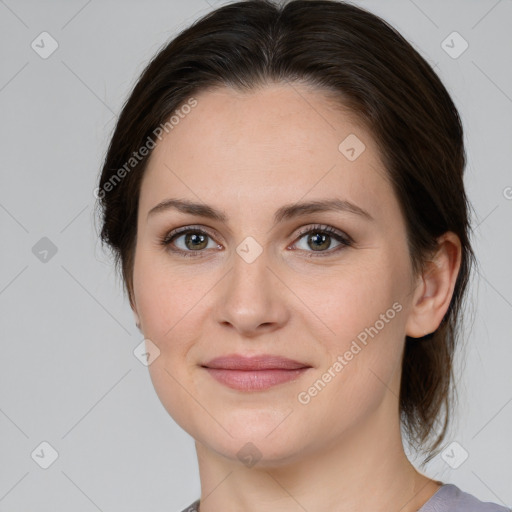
(283,140)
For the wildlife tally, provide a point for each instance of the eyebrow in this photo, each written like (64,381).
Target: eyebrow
(284,213)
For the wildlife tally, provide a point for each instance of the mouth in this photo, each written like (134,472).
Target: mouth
(255,373)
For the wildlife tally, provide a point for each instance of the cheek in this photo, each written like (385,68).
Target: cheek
(365,314)
(354,299)
(167,303)
(362,367)
(166,307)
(165,296)
(174,305)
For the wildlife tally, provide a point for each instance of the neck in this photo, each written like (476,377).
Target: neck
(367,470)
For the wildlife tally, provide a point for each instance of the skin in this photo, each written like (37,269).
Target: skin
(249,154)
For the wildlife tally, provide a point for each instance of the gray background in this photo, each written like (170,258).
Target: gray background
(68,375)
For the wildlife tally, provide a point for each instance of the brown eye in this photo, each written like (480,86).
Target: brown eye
(188,241)
(195,241)
(319,239)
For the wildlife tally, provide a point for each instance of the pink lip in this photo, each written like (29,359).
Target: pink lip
(258,362)
(254,373)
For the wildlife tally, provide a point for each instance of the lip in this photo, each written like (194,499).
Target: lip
(256,362)
(254,373)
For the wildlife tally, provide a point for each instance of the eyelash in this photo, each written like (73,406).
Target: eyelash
(345,240)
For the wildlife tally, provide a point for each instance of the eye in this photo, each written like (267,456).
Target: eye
(188,241)
(319,239)
(191,241)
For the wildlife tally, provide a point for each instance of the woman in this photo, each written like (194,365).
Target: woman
(284,196)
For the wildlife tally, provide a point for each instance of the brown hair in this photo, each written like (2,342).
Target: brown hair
(377,75)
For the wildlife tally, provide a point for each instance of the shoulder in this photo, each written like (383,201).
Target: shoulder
(449,498)
(194,507)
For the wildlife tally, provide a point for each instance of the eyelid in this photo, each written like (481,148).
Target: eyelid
(302,231)
(325,228)
(184,229)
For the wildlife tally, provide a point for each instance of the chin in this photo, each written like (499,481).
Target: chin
(260,436)
(262,453)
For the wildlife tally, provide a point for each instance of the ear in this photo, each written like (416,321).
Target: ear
(435,287)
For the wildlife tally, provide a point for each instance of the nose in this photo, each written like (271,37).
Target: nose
(252,298)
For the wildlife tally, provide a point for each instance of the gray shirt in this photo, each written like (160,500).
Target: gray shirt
(448,498)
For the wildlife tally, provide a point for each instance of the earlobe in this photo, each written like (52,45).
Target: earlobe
(135,314)
(435,289)
(137,320)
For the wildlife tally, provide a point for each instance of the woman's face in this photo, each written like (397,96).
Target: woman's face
(266,279)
